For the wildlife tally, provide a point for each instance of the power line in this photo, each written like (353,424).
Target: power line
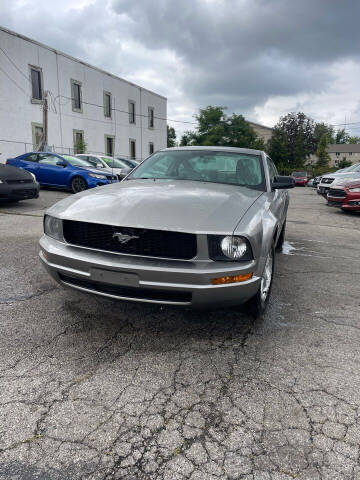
(17,68)
(14,82)
(127,112)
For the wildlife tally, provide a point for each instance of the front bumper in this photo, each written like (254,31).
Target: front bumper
(99,182)
(19,191)
(149,280)
(350,202)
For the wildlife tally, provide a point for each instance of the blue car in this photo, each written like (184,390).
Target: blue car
(63,171)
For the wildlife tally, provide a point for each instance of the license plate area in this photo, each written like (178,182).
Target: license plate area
(112,277)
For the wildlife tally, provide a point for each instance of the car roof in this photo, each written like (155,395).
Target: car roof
(219,149)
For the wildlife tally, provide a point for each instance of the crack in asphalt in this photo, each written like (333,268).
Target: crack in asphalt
(99,390)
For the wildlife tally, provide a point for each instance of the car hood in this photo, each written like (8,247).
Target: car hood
(98,171)
(8,172)
(194,207)
(349,183)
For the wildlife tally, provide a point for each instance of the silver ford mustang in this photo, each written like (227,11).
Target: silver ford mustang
(192,226)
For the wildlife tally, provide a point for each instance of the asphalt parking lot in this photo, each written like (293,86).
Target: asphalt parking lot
(92,389)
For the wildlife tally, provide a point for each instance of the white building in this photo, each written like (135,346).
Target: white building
(110,114)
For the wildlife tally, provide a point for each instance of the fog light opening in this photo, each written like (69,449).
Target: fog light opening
(234,279)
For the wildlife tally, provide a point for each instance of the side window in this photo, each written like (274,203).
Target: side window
(48,159)
(272,169)
(32,157)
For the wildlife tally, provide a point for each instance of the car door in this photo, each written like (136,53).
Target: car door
(29,163)
(280,197)
(49,173)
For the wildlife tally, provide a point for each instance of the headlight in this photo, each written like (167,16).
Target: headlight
(354,190)
(33,176)
(53,228)
(96,175)
(229,248)
(1,181)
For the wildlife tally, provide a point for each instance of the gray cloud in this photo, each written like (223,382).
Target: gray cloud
(239,53)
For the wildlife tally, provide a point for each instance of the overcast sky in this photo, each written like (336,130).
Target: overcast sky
(261,58)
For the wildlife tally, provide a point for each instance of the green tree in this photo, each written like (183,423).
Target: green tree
(321,152)
(214,127)
(344,163)
(322,128)
(342,136)
(171,137)
(80,145)
(354,139)
(277,150)
(298,130)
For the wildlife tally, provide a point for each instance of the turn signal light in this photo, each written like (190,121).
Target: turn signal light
(237,278)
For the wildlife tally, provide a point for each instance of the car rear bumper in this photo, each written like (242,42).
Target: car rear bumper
(147,280)
(19,191)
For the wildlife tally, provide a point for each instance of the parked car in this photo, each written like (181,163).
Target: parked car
(130,163)
(17,184)
(108,163)
(310,182)
(316,181)
(352,167)
(191,226)
(301,178)
(331,179)
(63,171)
(345,195)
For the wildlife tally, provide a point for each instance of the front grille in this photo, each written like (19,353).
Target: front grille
(21,181)
(28,192)
(130,292)
(334,204)
(150,243)
(327,180)
(334,192)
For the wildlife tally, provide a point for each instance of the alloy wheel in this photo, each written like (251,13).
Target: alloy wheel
(78,185)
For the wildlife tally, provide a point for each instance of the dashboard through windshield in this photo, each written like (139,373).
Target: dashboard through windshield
(204,166)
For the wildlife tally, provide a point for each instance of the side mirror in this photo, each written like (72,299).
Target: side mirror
(61,163)
(283,182)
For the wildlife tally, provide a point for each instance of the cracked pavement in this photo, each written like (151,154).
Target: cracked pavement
(94,389)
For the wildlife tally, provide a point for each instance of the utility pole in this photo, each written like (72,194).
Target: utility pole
(44,145)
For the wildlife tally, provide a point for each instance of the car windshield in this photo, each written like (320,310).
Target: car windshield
(128,163)
(77,162)
(203,166)
(114,162)
(298,174)
(96,162)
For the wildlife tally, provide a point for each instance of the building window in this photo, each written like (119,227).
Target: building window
(132,113)
(36,84)
(76,96)
(109,145)
(337,154)
(151,117)
(79,142)
(350,153)
(151,148)
(107,104)
(37,135)
(132,149)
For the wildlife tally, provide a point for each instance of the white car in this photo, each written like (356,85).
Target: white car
(114,165)
(331,179)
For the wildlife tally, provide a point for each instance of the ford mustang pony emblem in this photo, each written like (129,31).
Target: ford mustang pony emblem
(123,238)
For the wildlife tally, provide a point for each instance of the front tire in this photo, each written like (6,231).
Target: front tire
(258,303)
(281,238)
(78,184)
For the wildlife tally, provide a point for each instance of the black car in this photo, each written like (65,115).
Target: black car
(17,184)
